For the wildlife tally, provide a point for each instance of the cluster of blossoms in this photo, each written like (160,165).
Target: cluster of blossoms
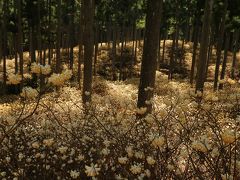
(181,139)
(29,93)
(60,79)
(40,69)
(14,79)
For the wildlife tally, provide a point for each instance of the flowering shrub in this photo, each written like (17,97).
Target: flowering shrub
(14,79)
(187,136)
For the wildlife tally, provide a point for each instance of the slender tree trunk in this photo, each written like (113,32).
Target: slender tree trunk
(172,58)
(16,53)
(4,36)
(71,57)
(121,54)
(58,41)
(20,39)
(235,48)
(95,51)
(88,49)
(42,79)
(204,45)
(210,50)
(49,29)
(136,46)
(219,45)
(159,50)
(114,53)
(149,60)
(163,49)
(224,64)
(79,76)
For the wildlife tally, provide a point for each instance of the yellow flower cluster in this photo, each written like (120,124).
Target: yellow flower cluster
(228,136)
(199,146)
(29,93)
(59,79)
(158,142)
(92,170)
(14,79)
(40,69)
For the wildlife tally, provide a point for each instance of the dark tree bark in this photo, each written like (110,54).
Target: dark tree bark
(172,56)
(224,64)
(163,49)
(235,48)
(80,47)
(20,38)
(149,60)
(58,40)
(219,45)
(114,53)
(49,34)
(71,34)
(204,43)
(88,49)
(95,51)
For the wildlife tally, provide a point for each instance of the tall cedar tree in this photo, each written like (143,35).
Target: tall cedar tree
(204,45)
(88,15)
(149,60)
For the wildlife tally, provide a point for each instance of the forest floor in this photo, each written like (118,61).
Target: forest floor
(183,138)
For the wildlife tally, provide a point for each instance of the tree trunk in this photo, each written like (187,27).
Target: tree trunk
(88,49)
(58,41)
(20,39)
(224,64)
(71,29)
(149,60)
(114,53)
(79,76)
(95,51)
(204,45)
(235,48)
(219,45)
(163,49)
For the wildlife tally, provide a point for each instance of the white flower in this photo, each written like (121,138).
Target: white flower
(129,150)
(158,142)
(87,93)
(3,173)
(35,68)
(56,79)
(35,145)
(150,160)
(122,160)
(62,149)
(20,156)
(80,157)
(48,142)
(139,155)
(59,79)
(105,151)
(141,110)
(74,174)
(92,170)
(148,173)
(8,159)
(136,169)
(28,92)
(45,70)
